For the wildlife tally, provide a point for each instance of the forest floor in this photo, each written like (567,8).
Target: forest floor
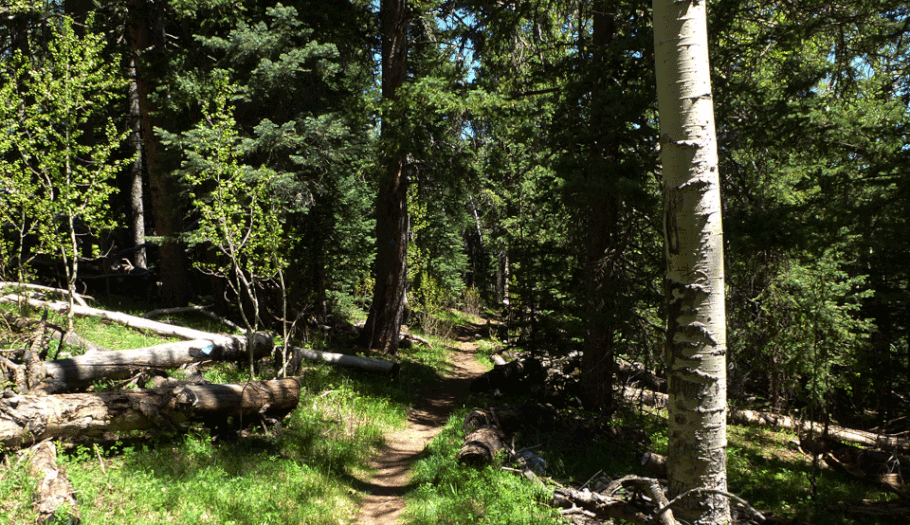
(390,478)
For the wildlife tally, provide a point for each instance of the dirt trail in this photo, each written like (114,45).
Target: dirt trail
(390,481)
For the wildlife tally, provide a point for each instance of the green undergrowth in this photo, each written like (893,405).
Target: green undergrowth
(765,468)
(303,472)
(307,470)
(448,493)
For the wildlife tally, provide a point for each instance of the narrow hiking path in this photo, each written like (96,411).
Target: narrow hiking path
(391,478)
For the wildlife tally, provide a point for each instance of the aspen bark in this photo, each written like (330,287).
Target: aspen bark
(694,284)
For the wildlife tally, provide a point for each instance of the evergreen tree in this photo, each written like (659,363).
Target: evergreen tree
(302,72)
(811,140)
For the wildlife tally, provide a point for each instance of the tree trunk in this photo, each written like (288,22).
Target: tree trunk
(28,419)
(54,501)
(353,361)
(384,321)
(597,359)
(602,247)
(66,375)
(172,270)
(481,446)
(137,207)
(696,323)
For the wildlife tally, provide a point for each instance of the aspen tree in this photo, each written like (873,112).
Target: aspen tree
(694,283)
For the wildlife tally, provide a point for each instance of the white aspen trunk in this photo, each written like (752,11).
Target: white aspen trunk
(696,322)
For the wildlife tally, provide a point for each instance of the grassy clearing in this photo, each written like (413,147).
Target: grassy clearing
(303,473)
(765,468)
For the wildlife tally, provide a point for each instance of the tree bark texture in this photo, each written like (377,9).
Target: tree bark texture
(63,375)
(597,360)
(384,321)
(173,269)
(54,499)
(696,324)
(481,446)
(137,205)
(28,419)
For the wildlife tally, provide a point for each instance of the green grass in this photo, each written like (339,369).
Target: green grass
(305,473)
(765,469)
(302,474)
(449,493)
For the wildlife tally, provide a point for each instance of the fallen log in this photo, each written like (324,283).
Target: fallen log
(633,372)
(781,422)
(233,344)
(78,298)
(204,310)
(655,463)
(481,446)
(64,375)
(484,438)
(886,470)
(606,504)
(54,499)
(486,434)
(849,435)
(515,377)
(140,323)
(363,363)
(26,419)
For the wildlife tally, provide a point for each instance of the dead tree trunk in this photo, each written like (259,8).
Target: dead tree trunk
(54,499)
(28,419)
(66,375)
(781,422)
(484,438)
(139,323)
(353,361)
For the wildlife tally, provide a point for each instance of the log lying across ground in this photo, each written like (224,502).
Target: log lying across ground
(487,433)
(888,470)
(225,347)
(363,363)
(132,321)
(780,422)
(484,438)
(849,435)
(63,375)
(54,499)
(27,419)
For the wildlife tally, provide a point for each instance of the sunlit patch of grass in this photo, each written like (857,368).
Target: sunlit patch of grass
(192,480)
(450,493)
(16,493)
(765,468)
(302,474)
